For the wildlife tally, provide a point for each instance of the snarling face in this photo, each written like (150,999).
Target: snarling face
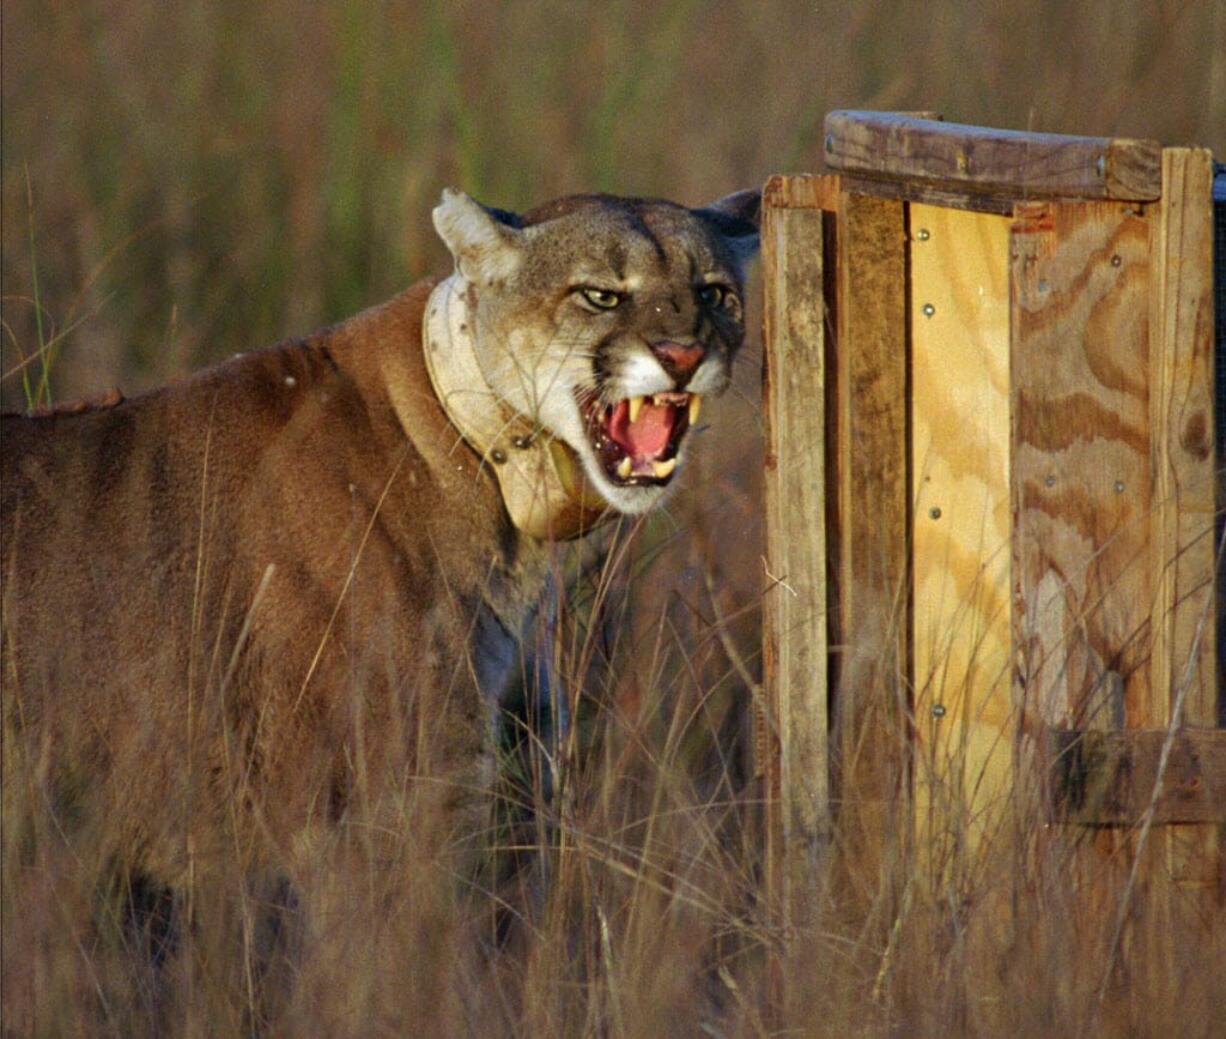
(606,321)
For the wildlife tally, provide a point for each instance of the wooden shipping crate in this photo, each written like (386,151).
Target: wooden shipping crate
(992,480)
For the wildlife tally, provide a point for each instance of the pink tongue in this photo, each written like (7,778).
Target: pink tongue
(648,435)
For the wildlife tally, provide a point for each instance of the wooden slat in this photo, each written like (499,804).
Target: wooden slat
(959,271)
(1107,778)
(932,194)
(1183,429)
(872,490)
(801,191)
(1019,164)
(1185,481)
(795,602)
(1081,480)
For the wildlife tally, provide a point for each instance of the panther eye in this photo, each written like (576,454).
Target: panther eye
(714,295)
(601,299)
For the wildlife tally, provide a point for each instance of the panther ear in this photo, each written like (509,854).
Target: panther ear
(736,217)
(484,243)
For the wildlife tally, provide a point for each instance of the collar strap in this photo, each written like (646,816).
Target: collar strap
(541,480)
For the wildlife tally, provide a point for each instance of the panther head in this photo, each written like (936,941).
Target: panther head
(605,321)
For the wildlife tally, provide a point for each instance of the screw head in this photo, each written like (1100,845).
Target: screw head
(498,455)
(938,710)
(928,309)
(923,234)
(935,512)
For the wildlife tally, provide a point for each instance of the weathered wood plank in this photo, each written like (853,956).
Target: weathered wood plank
(801,191)
(959,271)
(873,498)
(794,615)
(1185,478)
(1081,481)
(1016,163)
(929,193)
(1107,778)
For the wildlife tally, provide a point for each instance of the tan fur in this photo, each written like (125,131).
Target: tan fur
(236,607)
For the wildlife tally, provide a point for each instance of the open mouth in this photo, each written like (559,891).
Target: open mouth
(636,439)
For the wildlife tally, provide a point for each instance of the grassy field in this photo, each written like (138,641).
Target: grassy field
(187,180)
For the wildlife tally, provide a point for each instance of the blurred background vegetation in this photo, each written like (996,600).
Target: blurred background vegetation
(186,179)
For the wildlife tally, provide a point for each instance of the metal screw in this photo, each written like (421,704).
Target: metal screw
(1115,260)
(922,234)
(1119,486)
(928,309)
(521,441)
(935,512)
(938,710)
(498,455)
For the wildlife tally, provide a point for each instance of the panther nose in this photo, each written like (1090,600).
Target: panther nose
(678,359)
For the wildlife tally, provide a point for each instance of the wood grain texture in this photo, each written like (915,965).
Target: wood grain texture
(1081,496)
(959,271)
(1108,778)
(801,191)
(873,495)
(1185,477)
(794,615)
(1020,164)
(930,193)
(1079,286)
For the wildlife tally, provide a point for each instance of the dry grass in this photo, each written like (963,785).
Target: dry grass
(183,181)
(616,889)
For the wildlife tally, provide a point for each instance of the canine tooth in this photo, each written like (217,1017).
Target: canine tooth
(636,405)
(662,469)
(695,405)
(625,465)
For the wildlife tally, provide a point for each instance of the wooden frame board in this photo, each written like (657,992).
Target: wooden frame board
(1018,164)
(795,603)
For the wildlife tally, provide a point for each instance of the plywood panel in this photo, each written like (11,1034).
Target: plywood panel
(960,487)
(1081,481)
(1081,494)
